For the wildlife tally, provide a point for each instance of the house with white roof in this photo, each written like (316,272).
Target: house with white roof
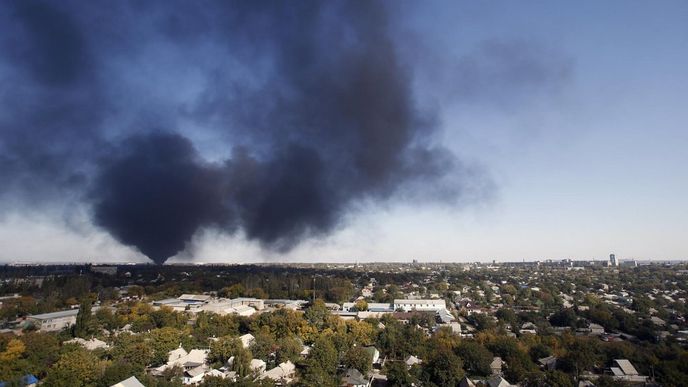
(257,365)
(247,340)
(411,361)
(496,365)
(282,374)
(354,378)
(498,381)
(623,370)
(420,305)
(130,382)
(188,361)
(55,321)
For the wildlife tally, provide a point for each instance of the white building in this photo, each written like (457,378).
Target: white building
(422,305)
(282,374)
(247,340)
(196,303)
(55,321)
(188,361)
(257,365)
(131,382)
(624,371)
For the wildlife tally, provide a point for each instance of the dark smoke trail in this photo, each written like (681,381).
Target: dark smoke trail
(311,102)
(332,122)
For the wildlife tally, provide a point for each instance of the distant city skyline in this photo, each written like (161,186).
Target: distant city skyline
(530,130)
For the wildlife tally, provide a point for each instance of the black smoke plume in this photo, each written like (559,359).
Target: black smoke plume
(309,108)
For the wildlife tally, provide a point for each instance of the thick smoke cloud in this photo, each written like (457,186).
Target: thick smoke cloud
(311,103)
(155,193)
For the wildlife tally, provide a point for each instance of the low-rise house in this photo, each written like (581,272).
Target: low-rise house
(528,327)
(195,375)
(412,360)
(243,310)
(374,353)
(623,370)
(305,351)
(187,361)
(548,363)
(247,340)
(354,378)
(282,374)
(498,381)
(91,344)
(444,317)
(195,358)
(455,327)
(55,321)
(129,382)
(496,365)
(176,354)
(596,329)
(422,305)
(465,382)
(257,365)
(657,321)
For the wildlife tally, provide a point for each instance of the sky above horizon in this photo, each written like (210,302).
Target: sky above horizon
(530,130)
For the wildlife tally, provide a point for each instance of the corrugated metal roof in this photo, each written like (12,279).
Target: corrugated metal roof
(626,366)
(60,314)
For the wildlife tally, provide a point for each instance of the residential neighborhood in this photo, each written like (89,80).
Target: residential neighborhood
(374,325)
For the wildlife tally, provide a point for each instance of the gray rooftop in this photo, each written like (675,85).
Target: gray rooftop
(131,382)
(60,314)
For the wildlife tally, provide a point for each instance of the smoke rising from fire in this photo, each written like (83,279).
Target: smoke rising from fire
(308,109)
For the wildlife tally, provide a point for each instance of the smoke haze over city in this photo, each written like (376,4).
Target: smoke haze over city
(222,131)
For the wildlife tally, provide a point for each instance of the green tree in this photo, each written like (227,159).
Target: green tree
(317,314)
(12,362)
(558,378)
(398,375)
(581,355)
(42,350)
(224,348)
(241,363)
(361,305)
(263,346)
(84,326)
(117,371)
(106,319)
(324,355)
(357,357)
(564,318)
(234,291)
(162,341)
(443,368)
(132,349)
(313,375)
(476,358)
(76,368)
(288,348)
(482,321)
